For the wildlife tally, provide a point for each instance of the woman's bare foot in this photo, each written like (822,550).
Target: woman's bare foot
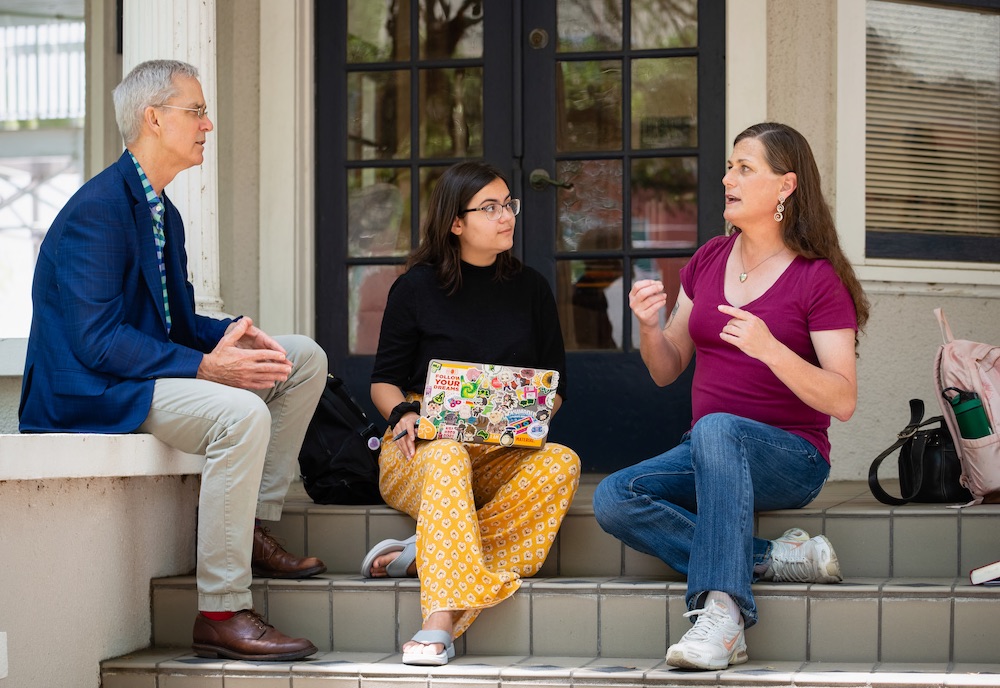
(379,564)
(438,621)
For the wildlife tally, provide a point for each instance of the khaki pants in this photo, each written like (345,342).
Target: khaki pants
(251,442)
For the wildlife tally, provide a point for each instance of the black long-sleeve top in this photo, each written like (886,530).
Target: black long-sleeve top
(511,322)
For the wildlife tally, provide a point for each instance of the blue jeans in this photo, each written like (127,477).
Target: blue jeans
(693,506)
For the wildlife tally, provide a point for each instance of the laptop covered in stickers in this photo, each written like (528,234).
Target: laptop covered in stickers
(487,404)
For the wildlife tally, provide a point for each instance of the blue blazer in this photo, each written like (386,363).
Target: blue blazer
(98,332)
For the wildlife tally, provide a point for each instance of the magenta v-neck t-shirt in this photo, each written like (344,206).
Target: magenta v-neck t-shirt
(807,297)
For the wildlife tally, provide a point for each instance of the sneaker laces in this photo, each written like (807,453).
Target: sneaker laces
(793,563)
(711,620)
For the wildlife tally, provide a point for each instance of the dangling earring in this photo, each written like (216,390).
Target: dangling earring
(780,215)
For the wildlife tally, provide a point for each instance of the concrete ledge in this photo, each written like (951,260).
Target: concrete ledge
(12,355)
(108,536)
(72,455)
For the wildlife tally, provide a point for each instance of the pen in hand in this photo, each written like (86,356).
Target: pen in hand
(398,436)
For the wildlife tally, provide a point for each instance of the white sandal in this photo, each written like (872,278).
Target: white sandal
(431,638)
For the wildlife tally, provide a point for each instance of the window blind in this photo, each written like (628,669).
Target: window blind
(933,120)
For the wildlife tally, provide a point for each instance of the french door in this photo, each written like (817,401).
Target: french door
(608,116)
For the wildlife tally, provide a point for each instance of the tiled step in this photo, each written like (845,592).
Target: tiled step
(602,614)
(860,620)
(167,669)
(871,539)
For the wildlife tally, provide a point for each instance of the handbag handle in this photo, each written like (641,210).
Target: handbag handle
(916,414)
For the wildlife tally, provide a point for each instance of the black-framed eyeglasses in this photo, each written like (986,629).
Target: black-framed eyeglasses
(495,210)
(201,110)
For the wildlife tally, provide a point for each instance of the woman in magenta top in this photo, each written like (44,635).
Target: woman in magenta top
(772,310)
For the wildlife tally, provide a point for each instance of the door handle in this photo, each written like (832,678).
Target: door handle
(539,179)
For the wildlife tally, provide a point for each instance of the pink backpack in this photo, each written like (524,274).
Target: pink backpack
(971,367)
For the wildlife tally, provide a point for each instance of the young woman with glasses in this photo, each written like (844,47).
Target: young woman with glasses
(486,515)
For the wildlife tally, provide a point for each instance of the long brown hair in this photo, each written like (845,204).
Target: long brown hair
(807,227)
(440,248)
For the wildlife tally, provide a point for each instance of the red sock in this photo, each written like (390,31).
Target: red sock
(218,616)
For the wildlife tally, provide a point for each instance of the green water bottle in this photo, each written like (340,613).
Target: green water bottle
(969,413)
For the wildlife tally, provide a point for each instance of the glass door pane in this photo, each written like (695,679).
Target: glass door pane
(414,82)
(616,118)
(589,26)
(664,24)
(665,103)
(664,193)
(626,136)
(590,106)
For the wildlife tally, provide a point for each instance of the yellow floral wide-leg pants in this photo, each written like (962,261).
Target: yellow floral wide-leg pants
(486,516)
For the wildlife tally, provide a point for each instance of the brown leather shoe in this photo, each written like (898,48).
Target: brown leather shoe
(270,559)
(246,636)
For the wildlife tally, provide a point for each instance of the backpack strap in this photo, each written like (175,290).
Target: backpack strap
(946,334)
(916,414)
(947,413)
(346,406)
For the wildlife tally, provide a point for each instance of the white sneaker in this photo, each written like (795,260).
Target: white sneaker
(795,559)
(714,642)
(794,535)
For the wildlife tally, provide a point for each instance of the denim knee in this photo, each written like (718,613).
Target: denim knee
(714,436)
(608,497)
(715,425)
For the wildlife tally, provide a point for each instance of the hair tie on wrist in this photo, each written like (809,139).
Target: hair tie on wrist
(400,410)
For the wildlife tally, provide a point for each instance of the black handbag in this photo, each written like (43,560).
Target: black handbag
(929,468)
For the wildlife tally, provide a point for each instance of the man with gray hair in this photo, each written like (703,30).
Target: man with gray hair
(116,346)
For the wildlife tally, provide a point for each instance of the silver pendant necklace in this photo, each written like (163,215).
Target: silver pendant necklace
(745,272)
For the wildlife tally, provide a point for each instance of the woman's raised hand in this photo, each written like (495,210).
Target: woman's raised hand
(646,299)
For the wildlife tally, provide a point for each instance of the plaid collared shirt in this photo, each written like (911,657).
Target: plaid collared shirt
(156,211)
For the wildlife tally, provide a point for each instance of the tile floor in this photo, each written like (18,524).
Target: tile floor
(871,539)
(367,670)
(602,614)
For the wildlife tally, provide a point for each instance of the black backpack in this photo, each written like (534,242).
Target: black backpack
(339,456)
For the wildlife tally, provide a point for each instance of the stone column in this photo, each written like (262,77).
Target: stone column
(287,166)
(185,30)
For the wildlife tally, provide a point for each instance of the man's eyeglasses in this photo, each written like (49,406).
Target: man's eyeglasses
(200,111)
(495,210)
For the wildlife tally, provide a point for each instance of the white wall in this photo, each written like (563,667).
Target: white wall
(814,80)
(237,126)
(77,558)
